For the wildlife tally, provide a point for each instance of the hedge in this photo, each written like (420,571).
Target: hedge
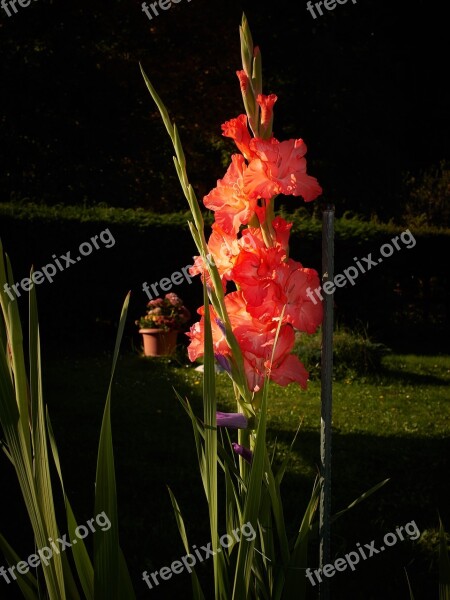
(408,294)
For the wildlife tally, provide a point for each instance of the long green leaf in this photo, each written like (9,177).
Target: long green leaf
(251,509)
(27,583)
(224,457)
(14,332)
(274,493)
(295,584)
(15,422)
(245,558)
(364,496)
(83,563)
(107,575)
(196,588)
(209,416)
(44,490)
(198,434)
(216,293)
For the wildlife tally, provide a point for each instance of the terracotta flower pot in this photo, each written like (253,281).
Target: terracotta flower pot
(158,342)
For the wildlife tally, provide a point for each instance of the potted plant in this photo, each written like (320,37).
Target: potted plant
(161,323)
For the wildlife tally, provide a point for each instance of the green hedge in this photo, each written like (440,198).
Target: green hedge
(347,226)
(405,297)
(97,214)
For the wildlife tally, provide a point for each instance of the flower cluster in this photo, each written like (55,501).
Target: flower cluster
(250,246)
(166,313)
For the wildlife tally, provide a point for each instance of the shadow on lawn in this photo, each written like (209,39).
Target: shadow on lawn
(154,447)
(408,378)
(417,490)
(414,378)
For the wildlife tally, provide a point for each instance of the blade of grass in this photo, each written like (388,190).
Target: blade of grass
(411,595)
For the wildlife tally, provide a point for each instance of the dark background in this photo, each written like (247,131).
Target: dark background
(365,85)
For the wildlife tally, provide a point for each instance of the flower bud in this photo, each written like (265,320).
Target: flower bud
(231,420)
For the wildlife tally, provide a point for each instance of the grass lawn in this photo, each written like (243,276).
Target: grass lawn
(394,425)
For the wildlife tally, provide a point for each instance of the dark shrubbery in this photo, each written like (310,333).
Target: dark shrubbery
(354,354)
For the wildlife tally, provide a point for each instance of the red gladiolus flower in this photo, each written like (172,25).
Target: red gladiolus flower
(266,104)
(282,232)
(237,130)
(301,311)
(231,205)
(243,80)
(280,168)
(269,282)
(256,340)
(223,248)
(256,268)
(285,367)
(196,334)
(252,237)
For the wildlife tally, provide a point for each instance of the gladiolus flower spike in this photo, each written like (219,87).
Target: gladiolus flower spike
(250,245)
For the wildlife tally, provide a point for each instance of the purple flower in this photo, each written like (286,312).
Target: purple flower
(231,420)
(221,326)
(244,452)
(223,362)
